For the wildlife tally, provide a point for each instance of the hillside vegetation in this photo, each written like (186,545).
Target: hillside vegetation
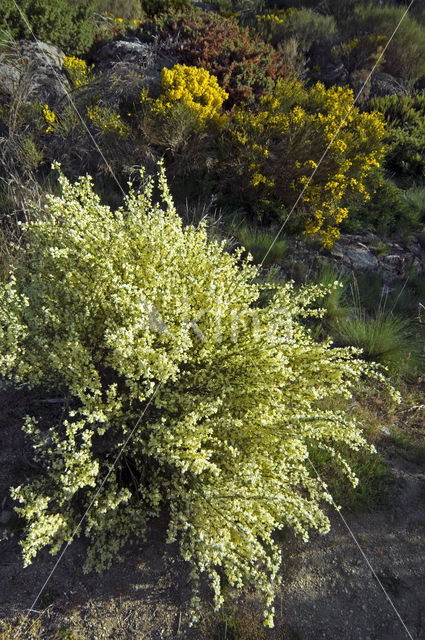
(182,187)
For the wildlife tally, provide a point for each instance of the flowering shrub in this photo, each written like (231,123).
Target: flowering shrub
(405,55)
(278,147)
(245,66)
(195,87)
(405,134)
(363,52)
(307,26)
(77,70)
(49,117)
(183,121)
(139,320)
(108,121)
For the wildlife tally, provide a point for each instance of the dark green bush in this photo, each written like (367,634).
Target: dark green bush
(306,25)
(68,24)
(405,134)
(405,55)
(156,7)
(387,210)
(361,53)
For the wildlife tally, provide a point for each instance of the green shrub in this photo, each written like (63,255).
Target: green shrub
(388,209)
(405,134)
(305,25)
(259,242)
(140,322)
(405,55)
(69,25)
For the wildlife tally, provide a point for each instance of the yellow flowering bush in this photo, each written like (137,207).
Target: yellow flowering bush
(135,319)
(193,86)
(49,117)
(108,121)
(278,147)
(78,71)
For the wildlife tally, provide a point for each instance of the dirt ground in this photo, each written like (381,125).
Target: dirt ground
(328,590)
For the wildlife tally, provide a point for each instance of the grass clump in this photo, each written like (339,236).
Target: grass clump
(260,244)
(375,479)
(385,338)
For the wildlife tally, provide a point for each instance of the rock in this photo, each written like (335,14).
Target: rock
(384,84)
(131,51)
(358,253)
(33,71)
(421,240)
(337,251)
(416,249)
(129,65)
(361,259)
(417,265)
(335,74)
(393,262)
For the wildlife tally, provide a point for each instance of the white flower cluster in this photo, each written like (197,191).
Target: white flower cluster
(105,305)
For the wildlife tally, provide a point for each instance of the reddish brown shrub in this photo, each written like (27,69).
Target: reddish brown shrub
(245,65)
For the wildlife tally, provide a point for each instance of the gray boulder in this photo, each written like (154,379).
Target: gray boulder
(335,74)
(384,84)
(127,66)
(33,71)
(360,259)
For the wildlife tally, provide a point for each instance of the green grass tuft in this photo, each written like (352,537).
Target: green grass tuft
(384,338)
(258,243)
(371,470)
